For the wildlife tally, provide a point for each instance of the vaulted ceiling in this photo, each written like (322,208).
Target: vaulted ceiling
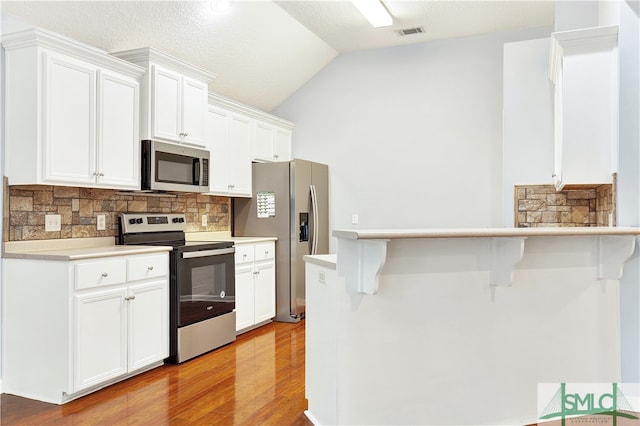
(263,51)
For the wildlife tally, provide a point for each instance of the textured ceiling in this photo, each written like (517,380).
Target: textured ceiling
(263,51)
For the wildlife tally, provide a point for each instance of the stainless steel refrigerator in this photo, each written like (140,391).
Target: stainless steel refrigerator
(290,202)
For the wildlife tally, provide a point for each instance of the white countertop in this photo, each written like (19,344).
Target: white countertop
(67,249)
(74,249)
(225,236)
(387,234)
(326,260)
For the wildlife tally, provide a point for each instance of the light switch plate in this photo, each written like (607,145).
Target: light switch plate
(52,222)
(101,222)
(204,220)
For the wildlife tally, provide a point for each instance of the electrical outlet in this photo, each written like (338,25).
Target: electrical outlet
(52,222)
(101,222)
(204,220)
(354,219)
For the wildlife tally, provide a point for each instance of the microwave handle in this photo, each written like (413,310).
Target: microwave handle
(196,171)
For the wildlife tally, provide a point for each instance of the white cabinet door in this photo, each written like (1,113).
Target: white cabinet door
(100,345)
(271,143)
(265,291)
(244,296)
(240,133)
(194,110)
(70,120)
(148,323)
(584,68)
(229,141)
(218,145)
(282,145)
(118,146)
(167,98)
(263,141)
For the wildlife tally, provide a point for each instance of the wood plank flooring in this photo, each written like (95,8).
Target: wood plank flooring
(257,380)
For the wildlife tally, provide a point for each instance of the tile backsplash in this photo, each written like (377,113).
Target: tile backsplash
(25,208)
(543,206)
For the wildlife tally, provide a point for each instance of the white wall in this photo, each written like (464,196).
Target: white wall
(629,180)
(528,120)
(412,135)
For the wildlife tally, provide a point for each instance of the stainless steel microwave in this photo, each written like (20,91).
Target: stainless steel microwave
(172,167)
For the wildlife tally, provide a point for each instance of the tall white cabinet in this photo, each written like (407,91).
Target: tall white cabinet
(584,69)
(71,113)
(174,97)
(71,327)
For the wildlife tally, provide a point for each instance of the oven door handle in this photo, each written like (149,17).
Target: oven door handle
(206,253)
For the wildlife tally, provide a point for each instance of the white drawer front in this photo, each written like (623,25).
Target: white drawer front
(244,253)
(143,267)
(265,251)
(100,273)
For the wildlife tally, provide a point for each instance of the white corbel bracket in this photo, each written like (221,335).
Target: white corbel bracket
(613,252)
(360,262)
(505,255)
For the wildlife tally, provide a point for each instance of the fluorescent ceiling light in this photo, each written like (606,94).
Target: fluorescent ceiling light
(374,11)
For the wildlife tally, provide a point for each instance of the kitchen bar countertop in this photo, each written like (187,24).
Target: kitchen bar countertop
(389,234)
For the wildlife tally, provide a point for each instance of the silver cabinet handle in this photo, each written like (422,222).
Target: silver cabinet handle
(130,298)
(105,275)
(150,268)
(266,253)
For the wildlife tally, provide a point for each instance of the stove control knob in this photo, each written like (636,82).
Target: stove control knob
(132,221)
(181,219)
(139,220)
(175,220)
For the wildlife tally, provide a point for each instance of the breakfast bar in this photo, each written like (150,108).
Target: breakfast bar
(459,326)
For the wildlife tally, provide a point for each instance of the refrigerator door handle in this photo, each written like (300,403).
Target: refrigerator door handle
(314,211)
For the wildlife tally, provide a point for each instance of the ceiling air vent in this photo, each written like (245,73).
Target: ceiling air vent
(409,31)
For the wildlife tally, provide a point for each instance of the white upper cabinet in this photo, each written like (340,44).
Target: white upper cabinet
(71,113)
(174,97)
(584,70)
(272,141)
(229,143)
(237,135)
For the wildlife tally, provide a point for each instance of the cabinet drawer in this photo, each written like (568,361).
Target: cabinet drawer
(265,251)
(143,267)
(100,273)
(244,253)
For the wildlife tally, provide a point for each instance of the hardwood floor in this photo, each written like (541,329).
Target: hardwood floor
(257,380)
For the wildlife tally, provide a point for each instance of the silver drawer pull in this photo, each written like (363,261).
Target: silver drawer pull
(105,275)
(150,268)
(209,308)
(130,298)
(266,253)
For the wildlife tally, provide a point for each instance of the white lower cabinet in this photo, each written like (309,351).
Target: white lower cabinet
(255,284)
(71,327)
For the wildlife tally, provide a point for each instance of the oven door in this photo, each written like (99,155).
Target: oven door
(206,286)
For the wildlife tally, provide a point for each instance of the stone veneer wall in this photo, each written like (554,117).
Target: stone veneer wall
(26,207)
(543,206)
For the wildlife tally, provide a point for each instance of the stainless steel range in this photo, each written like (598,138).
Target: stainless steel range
(201,286)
